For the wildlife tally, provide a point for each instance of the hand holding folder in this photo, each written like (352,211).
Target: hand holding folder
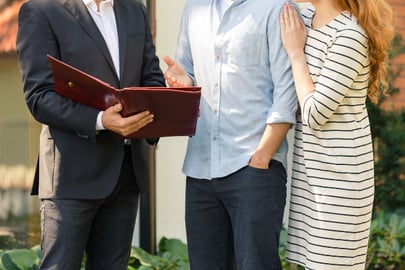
(175,109)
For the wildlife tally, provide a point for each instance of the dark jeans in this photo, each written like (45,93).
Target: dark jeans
(103,228)
(234,222)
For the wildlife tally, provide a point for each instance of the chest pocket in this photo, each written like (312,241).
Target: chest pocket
(246,49)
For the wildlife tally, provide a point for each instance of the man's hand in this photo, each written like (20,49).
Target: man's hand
(113,121)
(175,74)
(260,162)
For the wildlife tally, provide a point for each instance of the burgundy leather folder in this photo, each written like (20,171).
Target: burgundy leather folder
(175,109)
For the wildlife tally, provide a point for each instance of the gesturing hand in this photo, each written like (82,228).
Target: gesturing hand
(175,74)
(113,121)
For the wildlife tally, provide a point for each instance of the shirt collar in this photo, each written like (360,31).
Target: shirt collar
(87,2)
(237,2)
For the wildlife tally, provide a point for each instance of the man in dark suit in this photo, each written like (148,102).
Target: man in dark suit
(89,178)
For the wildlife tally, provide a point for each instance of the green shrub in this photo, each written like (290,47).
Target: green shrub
(388,132)
(386,248)
(172,255)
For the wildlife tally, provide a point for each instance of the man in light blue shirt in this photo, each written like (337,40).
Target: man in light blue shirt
(236,162)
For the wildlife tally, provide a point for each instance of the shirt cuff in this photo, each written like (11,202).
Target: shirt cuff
(99,123)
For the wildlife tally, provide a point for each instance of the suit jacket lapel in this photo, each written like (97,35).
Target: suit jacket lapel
(120,17)
(81,14)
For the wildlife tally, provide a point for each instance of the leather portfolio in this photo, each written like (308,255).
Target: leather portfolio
(175,109)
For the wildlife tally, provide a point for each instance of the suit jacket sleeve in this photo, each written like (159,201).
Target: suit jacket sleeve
(35,39)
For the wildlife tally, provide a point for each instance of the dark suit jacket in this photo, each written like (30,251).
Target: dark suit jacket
(74,160)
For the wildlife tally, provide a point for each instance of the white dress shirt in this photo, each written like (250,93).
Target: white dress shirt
(104,17)
(224,4)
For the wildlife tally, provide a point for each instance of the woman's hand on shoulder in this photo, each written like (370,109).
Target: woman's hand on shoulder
(293,31)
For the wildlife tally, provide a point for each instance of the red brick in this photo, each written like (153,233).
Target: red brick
(398,100)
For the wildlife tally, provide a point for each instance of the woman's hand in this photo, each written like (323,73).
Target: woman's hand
(293,31)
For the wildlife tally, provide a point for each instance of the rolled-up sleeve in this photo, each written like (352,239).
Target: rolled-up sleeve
(285,102)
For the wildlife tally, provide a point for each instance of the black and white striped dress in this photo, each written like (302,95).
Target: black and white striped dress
(333,173)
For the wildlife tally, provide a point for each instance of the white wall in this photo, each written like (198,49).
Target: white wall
(170,181)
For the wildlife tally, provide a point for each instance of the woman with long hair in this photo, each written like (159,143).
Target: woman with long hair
(339,52)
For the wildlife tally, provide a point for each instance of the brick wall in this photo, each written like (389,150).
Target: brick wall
(398,100)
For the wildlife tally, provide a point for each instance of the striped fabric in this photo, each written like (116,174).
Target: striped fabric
(333,176)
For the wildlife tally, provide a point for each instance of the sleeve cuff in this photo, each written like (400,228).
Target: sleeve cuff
(99,123)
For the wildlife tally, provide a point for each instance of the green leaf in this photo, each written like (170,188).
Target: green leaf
(8,263)
(37,250)
(393,222)
(402,252)
(144,257)
(1,264)
(175,247)
(20,259)
(401,228)
(283,238)
(375,227)
(142,267)
(395,246)
(183,265)
(381,219)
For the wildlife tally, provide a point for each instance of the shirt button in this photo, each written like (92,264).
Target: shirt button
(214,138)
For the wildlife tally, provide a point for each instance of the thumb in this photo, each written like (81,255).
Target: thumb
(170,62)
(118,107)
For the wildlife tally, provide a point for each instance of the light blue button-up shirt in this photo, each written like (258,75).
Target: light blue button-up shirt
(246,79)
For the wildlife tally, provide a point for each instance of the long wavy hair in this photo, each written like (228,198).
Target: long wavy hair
(377,19)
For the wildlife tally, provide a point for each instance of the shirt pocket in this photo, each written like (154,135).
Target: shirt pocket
(246,49)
